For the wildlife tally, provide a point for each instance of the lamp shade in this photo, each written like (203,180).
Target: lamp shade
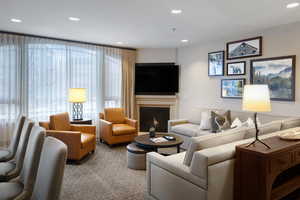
(256,98)
(77,95)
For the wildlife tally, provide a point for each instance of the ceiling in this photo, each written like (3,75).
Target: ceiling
(144,23)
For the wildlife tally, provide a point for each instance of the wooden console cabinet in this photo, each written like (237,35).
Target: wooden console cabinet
(267,174)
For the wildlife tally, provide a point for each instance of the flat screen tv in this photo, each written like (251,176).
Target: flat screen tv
(156,79)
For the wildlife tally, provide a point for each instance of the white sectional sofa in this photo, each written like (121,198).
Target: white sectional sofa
(205,171)
(188,128)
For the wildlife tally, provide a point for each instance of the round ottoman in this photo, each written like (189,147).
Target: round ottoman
(136,157)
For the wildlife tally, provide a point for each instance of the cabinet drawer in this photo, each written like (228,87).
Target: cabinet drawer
(297,155)
(281,161)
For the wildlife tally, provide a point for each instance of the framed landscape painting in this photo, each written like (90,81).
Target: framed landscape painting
(232,88)
(216,63)
(278,73)
(244,48)
(236,68)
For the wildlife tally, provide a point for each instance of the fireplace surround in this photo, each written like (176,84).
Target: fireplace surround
(159,103)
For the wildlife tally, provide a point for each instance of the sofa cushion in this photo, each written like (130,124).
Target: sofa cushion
(122,129)
(60,122)
(86,139)
(264,129)
(290,123)
(215,140)
(190,130)
(114,115)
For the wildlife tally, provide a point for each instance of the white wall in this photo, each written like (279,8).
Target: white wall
(155,55)
(199,90)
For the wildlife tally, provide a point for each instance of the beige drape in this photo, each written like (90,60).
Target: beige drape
(128,69)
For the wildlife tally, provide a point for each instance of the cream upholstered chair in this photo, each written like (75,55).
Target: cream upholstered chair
(115,127)
(51,170)
(80,139)
(7,154)
(22,187)
(12,168)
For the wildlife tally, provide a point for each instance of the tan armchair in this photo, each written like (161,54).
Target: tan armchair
(80,139)
(115,128)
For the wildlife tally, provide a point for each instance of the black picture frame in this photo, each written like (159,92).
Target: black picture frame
(222,53)
(234,79)
(237,74)
(242,42)
(293,75)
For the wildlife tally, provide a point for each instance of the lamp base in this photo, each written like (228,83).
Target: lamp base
(77,111)
(259,141)
(256,134)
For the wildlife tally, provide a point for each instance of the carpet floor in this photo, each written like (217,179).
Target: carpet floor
(104,175)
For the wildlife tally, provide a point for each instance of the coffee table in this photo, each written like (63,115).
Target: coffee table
(143,141)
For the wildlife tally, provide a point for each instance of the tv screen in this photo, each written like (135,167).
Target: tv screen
(156,79)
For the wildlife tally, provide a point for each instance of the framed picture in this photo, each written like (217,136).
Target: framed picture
(278,73)
(216,63)
(232,88)
(250,47)
(236,68)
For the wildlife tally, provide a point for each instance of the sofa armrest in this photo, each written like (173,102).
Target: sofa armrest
(175,122)
(84,128)
(131,122)
(174,167)
(105,128)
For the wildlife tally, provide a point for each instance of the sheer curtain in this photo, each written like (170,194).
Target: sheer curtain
(10,84)
(36,74)
(53,67)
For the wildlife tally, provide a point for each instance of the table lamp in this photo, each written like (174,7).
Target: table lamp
(256,98)
(77,96)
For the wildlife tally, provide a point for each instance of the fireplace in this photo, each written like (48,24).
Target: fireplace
(147,114)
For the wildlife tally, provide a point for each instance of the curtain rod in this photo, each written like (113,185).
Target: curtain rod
(66,40)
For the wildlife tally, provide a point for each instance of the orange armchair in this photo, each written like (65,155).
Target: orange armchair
(115,128)
(80,139)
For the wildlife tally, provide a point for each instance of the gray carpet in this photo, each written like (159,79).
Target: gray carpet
(104,175)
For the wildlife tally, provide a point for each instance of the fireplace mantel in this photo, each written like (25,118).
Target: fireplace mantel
(164,101)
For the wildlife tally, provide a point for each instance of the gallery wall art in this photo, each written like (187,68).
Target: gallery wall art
(244,48)
(232,88)
(216,63)
(236,68)
(278,73)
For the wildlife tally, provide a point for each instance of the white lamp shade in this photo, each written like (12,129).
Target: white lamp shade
(77,95)
(256,98)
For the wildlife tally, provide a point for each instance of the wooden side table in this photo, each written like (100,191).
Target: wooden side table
(267,174)
(84,121)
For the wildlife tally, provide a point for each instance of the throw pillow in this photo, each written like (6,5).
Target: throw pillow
(236,123)
(205,123)
(220,121)
(250,123)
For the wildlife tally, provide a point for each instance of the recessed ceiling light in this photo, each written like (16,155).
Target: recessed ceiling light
(119,42)
(15,20)
(75,19)
(184,40)
(176,11)
(292,5)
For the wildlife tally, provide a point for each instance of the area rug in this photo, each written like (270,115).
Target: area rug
(104,176)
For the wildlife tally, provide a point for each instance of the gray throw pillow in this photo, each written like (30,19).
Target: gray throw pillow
(218,121)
